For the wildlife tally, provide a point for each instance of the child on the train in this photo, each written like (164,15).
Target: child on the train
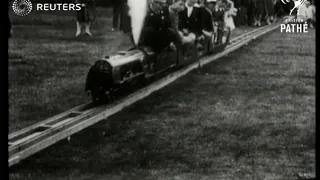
(218,15)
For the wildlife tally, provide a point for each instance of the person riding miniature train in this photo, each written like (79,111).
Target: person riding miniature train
(174,10)
(190,22)
(219,15)
(158,31)
(168,27)
(206,19)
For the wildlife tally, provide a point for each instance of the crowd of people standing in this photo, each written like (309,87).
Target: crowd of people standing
(194,24)
(307,12)
(120,17)
(244,12)
(240,12)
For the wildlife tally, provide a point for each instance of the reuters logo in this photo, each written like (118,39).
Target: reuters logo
(22,7)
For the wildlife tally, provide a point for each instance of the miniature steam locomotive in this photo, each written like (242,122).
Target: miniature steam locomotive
(138,65)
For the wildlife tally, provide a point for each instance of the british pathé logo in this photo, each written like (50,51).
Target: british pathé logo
(297,4)
(294,26)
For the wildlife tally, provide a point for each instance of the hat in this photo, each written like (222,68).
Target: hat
(211,1)
(160,1)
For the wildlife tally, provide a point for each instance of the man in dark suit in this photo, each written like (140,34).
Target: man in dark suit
(189,19)
(190,23)
(118,8)
(241,17)
(206,18)
(279,11)
(125,21)
(270,11)
(205,15)
(158,31)
(250,6)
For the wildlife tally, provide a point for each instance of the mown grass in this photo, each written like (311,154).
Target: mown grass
(48,65)
(251,115)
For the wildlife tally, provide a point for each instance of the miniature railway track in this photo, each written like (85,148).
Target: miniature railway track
(30,140)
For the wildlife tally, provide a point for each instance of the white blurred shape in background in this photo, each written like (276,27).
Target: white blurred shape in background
(137,11)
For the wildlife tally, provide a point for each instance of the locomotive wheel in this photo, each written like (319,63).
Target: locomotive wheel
(101,97)
(142,81)
(109,96)
(95,99)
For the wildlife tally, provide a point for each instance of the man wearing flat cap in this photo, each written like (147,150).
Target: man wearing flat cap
(158,31)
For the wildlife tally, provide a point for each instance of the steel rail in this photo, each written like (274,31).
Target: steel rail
(33,139)
(69,113)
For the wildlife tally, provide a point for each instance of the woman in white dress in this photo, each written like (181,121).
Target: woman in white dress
(231,11)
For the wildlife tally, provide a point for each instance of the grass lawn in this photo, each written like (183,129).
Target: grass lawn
(251,115)
(48,65)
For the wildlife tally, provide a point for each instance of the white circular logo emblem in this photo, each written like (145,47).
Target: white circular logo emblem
(22,7)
